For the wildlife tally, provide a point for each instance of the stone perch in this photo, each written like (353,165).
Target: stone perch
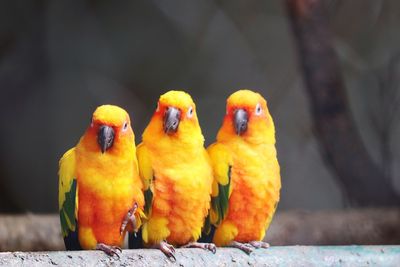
(274,256)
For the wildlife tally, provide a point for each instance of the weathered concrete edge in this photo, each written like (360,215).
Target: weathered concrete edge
(274,256)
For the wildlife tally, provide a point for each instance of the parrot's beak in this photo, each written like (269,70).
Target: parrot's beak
(105,137)
(241,119)
(171,120)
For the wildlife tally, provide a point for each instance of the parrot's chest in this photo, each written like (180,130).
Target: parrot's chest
(250,175)
(184,180)
(249,183)
(182,195)
(255,191)
(183,174)
(103,201)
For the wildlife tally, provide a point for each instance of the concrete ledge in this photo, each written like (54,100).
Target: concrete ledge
(274,256)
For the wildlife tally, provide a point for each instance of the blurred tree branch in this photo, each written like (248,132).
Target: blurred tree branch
(33,232)
(363,182)
(386,116)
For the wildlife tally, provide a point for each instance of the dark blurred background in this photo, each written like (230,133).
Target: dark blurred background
(61,59)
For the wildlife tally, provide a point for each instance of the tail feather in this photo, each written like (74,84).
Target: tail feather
(135,242)
(207,237)
(71,241)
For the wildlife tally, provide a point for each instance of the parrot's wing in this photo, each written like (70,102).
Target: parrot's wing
(68,199)
(221,160)
(147,176)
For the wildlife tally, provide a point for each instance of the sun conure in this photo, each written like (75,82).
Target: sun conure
(100,192)
(177,175)
(246,173)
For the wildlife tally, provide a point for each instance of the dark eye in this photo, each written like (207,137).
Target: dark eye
(258,109)
(125,127)
(190,112)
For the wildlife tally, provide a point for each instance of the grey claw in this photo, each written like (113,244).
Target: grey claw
(213,249)
(259,244)
(172,256)
(109,250)
(167,249)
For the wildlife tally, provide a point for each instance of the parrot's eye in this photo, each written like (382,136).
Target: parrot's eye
(190,112)
(125,127)
(258,109)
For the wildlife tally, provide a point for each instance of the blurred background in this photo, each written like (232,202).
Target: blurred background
(61,59)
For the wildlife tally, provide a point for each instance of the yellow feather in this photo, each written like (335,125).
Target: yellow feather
(158,228)
(225,233)
(67,173)
(145,169)
(221,159)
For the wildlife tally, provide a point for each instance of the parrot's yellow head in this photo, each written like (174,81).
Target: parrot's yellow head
(175,118)
(247,117)
(109,131)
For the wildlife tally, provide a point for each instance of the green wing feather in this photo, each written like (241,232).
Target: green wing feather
(67,194)
(148,198)
(221,201)
(221,161)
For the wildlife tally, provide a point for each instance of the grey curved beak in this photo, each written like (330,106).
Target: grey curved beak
(171,120)
(241,119)
(105,137)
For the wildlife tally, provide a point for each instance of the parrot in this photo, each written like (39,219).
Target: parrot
(100,191)
(176,174)
(246,185)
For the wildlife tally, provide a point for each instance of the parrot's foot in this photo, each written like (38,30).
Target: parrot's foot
(246,247)
(249,247)
(206,246)
(167,249)
(259,244)
(109,250)
(129,218)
